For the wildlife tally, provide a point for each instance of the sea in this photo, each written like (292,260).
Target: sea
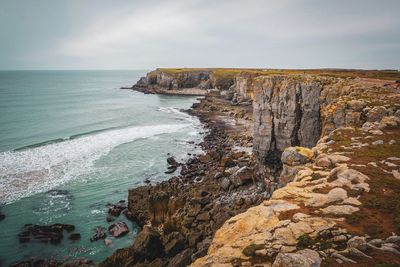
(70,143)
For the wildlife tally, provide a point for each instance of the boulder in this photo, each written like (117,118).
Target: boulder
(302,258)
(118,229)
(294,156)
(147,245)
(74,236)
(376,113)
(100,233)
(241,176)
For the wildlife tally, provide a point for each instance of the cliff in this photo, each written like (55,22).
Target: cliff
(299,169)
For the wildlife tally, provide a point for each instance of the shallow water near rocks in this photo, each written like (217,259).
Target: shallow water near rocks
(71,142)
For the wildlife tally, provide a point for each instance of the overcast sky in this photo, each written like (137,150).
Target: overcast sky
(116,34)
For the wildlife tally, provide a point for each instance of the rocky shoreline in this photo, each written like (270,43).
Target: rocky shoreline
(261,128)
(297,170)
(185,211)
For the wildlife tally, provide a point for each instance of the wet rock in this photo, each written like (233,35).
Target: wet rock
(100,233)
(171,169)
(44,233)
(116,209)
(118,229)
(147,245)
(107,242)
(74,236)
(2,216)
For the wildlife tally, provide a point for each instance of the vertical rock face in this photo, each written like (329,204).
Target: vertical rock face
(285,113)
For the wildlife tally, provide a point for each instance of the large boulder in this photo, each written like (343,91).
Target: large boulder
(148,245)
(294,156)
(118,229)
(241,176)
(302,258)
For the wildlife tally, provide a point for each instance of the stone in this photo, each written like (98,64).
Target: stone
(377,142)
(358,242)
(74,236)
(339,210)
(118,229)
(107,242)
(302,258)
(389,122)
(205,216)
(225,183)
(2,216)
(376,114)
(100,233)
(241,176)
(147,245)
(44,233)
(294,156)
(356,105)
(396,174)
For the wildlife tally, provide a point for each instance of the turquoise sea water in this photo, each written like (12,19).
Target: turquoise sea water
(71,142)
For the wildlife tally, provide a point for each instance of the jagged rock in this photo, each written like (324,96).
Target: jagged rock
(302,258)
(147,245)
(100,233)
(118,229)
(174,244)
(183,259)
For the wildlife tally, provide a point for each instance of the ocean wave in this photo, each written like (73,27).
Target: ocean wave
(44,167)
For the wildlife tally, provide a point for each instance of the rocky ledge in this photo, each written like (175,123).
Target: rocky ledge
(297,170)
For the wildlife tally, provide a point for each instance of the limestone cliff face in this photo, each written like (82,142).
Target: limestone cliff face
(339,205)
(296,110)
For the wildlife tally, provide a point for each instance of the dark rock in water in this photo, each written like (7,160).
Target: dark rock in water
(53,263)
(74,236)
(147,181)
(148,245)
(44,233)
(118,229)
(171,169)
(116,209)
(100,233)
(172,161)
(110,218)
(2,216)
(129,215)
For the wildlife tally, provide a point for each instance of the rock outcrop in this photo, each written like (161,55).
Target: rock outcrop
(325,148)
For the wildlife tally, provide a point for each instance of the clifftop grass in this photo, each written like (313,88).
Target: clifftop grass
(340,73)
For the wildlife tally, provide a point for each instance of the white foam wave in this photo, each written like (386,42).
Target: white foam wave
(23,173)
(176,111)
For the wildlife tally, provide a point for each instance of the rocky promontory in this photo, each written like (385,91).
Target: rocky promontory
(300,168)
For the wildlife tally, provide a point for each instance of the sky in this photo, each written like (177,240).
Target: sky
(133,34)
